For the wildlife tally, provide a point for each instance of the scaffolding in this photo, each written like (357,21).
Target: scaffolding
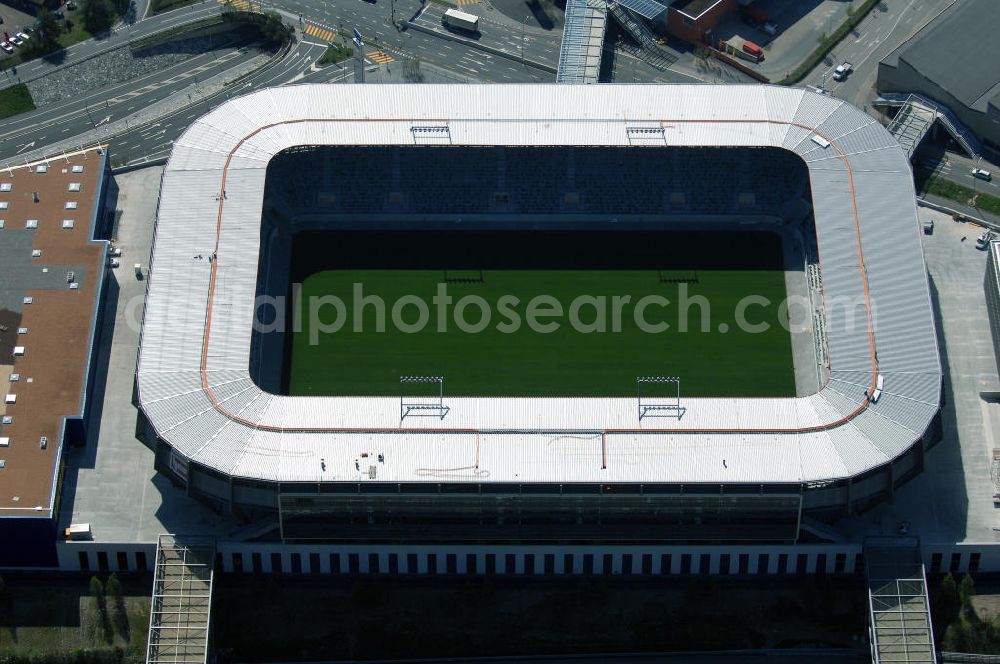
(182,599)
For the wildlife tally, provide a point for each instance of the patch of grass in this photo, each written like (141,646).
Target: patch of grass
(966,195)
(335,53)
(582,348)
(826,44)
(14,100)
(53,621)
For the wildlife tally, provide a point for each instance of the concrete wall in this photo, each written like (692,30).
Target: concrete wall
(529,560)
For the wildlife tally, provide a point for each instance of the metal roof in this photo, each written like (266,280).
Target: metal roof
(959,52)
(193,374)
(646,8)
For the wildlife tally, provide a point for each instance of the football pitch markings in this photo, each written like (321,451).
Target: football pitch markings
(592,350)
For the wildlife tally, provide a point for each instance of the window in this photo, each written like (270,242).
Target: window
(71,205)
(470,563)
(451,563)
(42,168)
(432,563)
(627,563)
(237,561)
(510,563)
(276,563)
(256,562)
(802,564)
(411,563)
(685,563)
(665,563)
(84,561)
(122,560)
(567,563)
(4,205)
(744,562)
(840,563)
(782,563)
(31,223)
(78,168)
(6,186)
(956,562)
(974,561)
(102,561)
(491,563)
(529,563)
(704,563)
(588,563)
(74,186)
(353,563)
(550,563)
(373,563)
(608,564)
(68,223)
(296,559)
(140,561)
(393,563)
(763,562)
(314,563)
(724,563)
(936,562)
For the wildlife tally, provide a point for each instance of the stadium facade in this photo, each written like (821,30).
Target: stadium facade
(538,469)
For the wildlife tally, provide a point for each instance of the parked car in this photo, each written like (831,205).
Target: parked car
(982,174)
(71,5)
(15,41)
(22,36)
(7,47)
(983,241)
(841,72)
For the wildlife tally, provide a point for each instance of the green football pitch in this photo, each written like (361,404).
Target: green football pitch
(592,349)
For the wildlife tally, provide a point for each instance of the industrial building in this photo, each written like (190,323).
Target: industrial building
(952,66)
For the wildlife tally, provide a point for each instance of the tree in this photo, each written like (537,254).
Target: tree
(98,15)
(114,590)
(966,591)
(273,28)
(45,39)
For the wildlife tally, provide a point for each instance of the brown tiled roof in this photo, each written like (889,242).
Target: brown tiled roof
(60,320)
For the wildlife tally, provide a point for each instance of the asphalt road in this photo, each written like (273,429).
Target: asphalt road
(72,117)
(958,168)
(874,38)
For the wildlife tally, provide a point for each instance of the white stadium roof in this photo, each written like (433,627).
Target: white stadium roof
(193,373)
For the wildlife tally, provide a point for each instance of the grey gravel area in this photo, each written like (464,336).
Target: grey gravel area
(118,65)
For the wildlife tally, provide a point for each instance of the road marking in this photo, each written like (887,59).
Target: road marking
(381,57)
(322,33)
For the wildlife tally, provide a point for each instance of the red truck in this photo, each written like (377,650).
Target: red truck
(742,48)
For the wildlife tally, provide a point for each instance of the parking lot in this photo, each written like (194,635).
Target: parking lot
(15,19)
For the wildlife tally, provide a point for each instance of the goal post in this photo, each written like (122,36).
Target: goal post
(421,396)
(659,396)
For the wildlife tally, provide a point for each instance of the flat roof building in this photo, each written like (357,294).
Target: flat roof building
(52,272)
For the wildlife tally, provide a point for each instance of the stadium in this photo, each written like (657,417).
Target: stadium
(349,431)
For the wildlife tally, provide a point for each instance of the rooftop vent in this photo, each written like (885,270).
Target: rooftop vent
(74,186)
(5,442)
(78,168)
(31,223)
(68,223)
(4,205)
(6,186)
(10,399)
(71,205)
(42,168)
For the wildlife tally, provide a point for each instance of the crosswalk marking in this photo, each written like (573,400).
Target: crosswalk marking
(381,57)
(242,5)
(322,33)
(467,2)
